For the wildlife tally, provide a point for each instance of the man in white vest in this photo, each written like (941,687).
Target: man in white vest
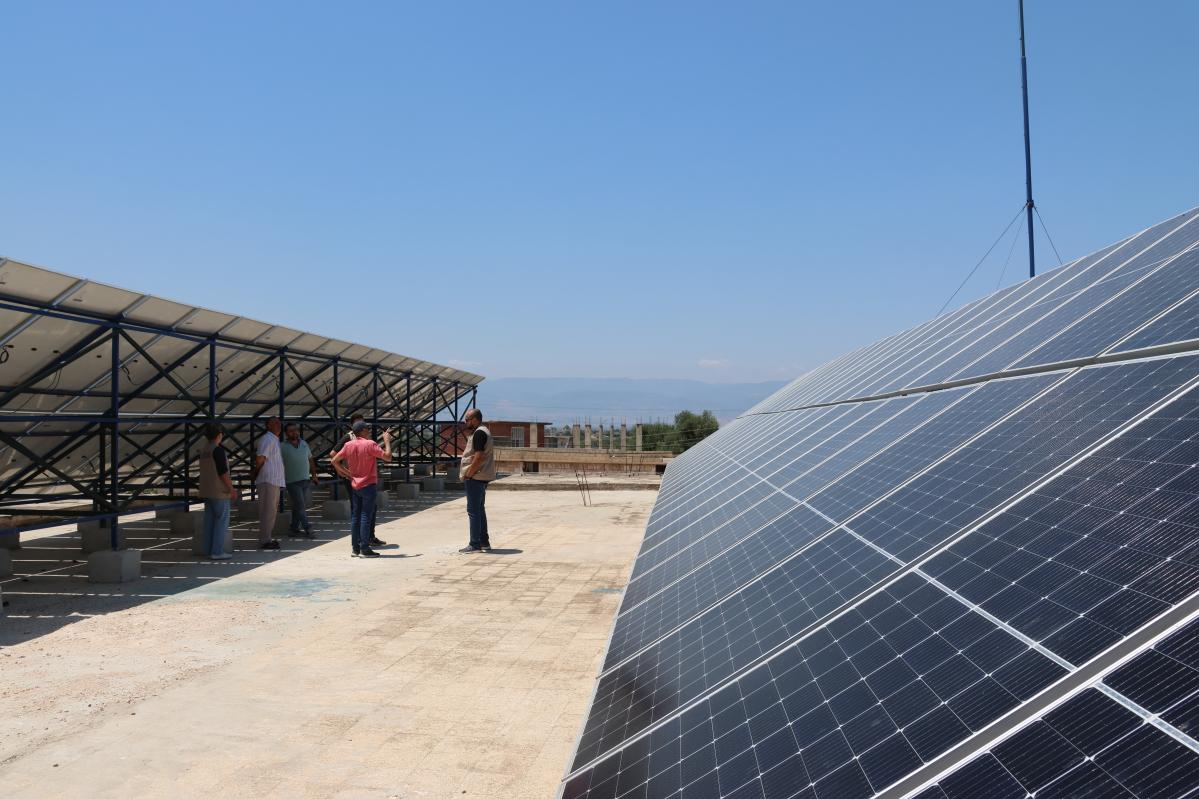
(478,469)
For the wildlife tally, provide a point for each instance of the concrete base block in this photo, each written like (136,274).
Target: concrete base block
(282,521)
(400,473)
(114,567)
(420,469)
(336,509)
(452,475)
(198,547)
(406,491)
(247,508)
(186,522)
(383,500)
(5,563)
(432,484)
(10,541)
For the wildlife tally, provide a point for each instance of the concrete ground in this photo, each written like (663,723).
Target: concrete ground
(424,673)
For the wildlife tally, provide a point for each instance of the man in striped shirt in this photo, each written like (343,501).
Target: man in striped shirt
(269,478)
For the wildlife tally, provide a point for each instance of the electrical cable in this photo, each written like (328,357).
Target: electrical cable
(1010,250)
(1051,244)
(980,261)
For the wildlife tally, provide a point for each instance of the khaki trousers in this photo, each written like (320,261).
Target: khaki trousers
(268,509)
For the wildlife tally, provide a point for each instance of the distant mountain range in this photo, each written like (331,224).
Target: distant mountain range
(561,400)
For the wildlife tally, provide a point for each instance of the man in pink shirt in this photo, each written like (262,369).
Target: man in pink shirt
(356,462)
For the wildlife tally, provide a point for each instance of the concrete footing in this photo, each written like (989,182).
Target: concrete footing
(10,541)
(121,566)
(5,563)
(452,475)
(432,484)
(406,491)
(198,547)
(336,509)
(420,469)
(383,500)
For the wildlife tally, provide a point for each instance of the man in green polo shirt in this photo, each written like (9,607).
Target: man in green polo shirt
(299,472)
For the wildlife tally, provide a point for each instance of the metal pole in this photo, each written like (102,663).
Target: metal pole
(336,424)
(408,428)
(457,420)
(114,451)
(212,378)
(1029,206)
(282,380)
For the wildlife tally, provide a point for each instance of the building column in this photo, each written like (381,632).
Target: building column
(587,436)
(624,436)
(533,435)
(637,435)
(574,434)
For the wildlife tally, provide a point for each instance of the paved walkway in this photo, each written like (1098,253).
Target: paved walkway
(421,674)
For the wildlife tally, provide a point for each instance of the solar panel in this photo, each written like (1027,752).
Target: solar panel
(875,585)
(56,366)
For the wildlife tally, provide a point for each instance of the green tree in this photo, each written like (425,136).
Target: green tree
(692,428)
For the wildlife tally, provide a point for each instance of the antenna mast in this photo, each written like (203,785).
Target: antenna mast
(1028,203)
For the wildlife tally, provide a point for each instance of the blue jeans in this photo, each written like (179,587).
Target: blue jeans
(362,510)
(298,493)
(216,525)
(476,497)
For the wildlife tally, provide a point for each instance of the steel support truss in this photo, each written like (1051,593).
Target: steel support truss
(121,433)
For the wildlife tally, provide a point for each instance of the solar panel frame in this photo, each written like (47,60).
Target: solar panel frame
(1075,471)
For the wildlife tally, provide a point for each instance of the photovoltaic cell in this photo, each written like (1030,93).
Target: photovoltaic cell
(842,600)
(1097,743)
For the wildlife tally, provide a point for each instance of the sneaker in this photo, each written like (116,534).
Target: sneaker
(468,550)
(375,542)
(486,548)
(369,553)
(270,545)
(222,556)
(356,554)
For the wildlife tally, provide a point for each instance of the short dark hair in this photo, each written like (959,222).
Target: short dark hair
(356,417)
(473,412)
(212,430)
(289,426)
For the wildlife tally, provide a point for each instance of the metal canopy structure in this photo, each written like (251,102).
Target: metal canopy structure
(103,392)
(962,561)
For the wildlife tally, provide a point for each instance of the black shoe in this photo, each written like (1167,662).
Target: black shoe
(270,545)
(375,542)
(369,553)
(468,550)
(356,554)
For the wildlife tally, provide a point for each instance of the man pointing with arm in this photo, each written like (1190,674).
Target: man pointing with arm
(356,462)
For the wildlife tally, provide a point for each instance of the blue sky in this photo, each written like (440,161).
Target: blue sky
(723,191)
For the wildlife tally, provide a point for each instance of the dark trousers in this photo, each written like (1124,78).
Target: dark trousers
(362,510)
(476,510)
(298,494)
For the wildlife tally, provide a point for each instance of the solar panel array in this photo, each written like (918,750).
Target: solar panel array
(962,561)
(51,325)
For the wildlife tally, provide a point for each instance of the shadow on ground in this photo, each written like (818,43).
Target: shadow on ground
(49,587)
